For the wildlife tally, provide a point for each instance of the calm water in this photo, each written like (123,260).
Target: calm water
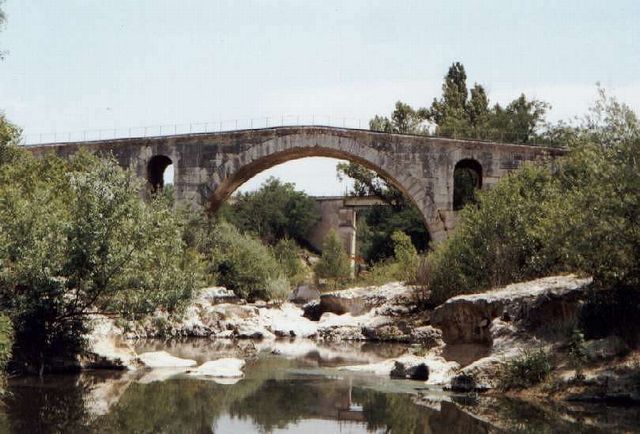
(290,388)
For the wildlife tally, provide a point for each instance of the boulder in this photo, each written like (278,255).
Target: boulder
(398,371)
(107,350)
(463,383)
(335,304)
(541,302)
(162,359)
(427,336)
(221,368)
(304,294)
(418,371)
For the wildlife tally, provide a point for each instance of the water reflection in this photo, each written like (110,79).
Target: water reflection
(279,394)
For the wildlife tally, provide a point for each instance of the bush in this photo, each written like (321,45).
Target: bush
(278,289)
(6,341)
(273,212)
(577,352)
(75,239)
(287,253)
(579,214)
(242,263)
(6,344)
(497,241)
(405,255)
(334,263)
(377,225)
(526,370)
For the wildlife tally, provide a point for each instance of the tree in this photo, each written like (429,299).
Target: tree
(334,263)
(404,120)
(581,214)
(273,212)
(75,239)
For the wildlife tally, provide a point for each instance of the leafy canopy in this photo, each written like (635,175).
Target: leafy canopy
(76,239)
(273,212)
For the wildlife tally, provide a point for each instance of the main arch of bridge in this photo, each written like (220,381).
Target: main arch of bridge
(209,167)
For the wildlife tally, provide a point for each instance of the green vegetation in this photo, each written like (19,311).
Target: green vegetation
(462,113)
(376,226)
(403,265)
(6,345)
(245,265)
(577,352)
(581,214)
(334,264)
(288,254)
(273,212)
(528,369)
(76,239)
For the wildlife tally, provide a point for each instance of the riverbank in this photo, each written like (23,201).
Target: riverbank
(464,345)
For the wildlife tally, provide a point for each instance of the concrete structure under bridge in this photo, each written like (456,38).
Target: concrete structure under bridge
(339,213)
(209,167)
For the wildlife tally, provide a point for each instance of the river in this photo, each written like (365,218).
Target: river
(289,387)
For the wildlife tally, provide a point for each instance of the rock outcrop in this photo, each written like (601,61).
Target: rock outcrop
(531,305)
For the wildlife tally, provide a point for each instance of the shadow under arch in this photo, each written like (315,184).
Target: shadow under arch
(258,158)
(155,171)
(467,179)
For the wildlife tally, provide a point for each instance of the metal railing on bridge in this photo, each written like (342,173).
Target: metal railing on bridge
(259,123)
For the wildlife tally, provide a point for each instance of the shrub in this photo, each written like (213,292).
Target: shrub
(579,214)
(577,352)
(75,238)
(405,255)
(278,289)
(287,253)
(241,262)
(6,341)
(334,263)
(496,242)
(6,344)
(528,369)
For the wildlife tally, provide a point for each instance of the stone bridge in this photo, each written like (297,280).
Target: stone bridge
(209,167)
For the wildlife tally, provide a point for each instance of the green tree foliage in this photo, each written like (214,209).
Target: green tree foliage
(9,138)
(403,250)
(376,226)
(404,120)
(334,263)
(273,212)
(243,264)
(75,239)
(462,113)
(495,242)
(288,255)
(580,214)
(6,344)
(459,112)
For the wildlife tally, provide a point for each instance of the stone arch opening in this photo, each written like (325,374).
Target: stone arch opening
(235,172)
(156,169)
(467,179)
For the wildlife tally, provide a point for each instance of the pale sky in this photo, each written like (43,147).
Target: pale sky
(75,65)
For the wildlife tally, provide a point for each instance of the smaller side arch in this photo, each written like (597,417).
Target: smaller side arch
(467,179)
(155,171)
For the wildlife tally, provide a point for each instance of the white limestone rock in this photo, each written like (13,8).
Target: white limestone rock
(222,368)
(162,359)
